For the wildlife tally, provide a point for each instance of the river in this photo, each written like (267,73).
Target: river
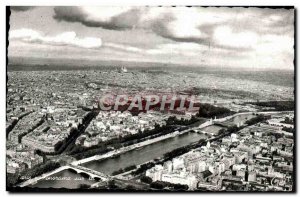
(136,157)
(241,118)
(144,154)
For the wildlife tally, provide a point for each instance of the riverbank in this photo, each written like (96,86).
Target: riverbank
(137,150)
(161,138)
(131,147)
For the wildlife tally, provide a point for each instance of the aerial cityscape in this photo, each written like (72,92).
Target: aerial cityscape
(188,99)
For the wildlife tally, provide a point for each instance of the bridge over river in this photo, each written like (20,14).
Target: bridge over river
(79,169)
(153,146)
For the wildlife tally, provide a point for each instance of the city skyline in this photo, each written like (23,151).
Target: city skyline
(258,38)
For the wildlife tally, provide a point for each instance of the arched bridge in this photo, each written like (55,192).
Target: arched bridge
(90,172)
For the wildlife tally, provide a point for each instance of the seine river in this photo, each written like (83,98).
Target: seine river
(144,154)
(134,157)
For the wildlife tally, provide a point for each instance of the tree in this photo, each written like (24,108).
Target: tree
(112,184)
(157,185)
(209,111)
(146,179)
(180,187)
(129,187)
(84,186)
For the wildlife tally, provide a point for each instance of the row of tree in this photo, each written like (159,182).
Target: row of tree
(256,119)
(289,129)
(81,152)
(288,120)
(210,111)
(161,185)
(126,169)
(277,105)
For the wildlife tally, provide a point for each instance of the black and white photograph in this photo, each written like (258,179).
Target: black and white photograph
(150,99)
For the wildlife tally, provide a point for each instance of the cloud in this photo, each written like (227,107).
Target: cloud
(65,38)
(109,17)
(123,47)
(162,21)
(214,36)
(21,8)
(220,27)
(224,36)
(183,48)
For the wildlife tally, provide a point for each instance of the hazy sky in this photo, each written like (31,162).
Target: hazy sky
(238,37)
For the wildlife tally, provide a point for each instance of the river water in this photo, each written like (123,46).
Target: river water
(144,154)
(241,118)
